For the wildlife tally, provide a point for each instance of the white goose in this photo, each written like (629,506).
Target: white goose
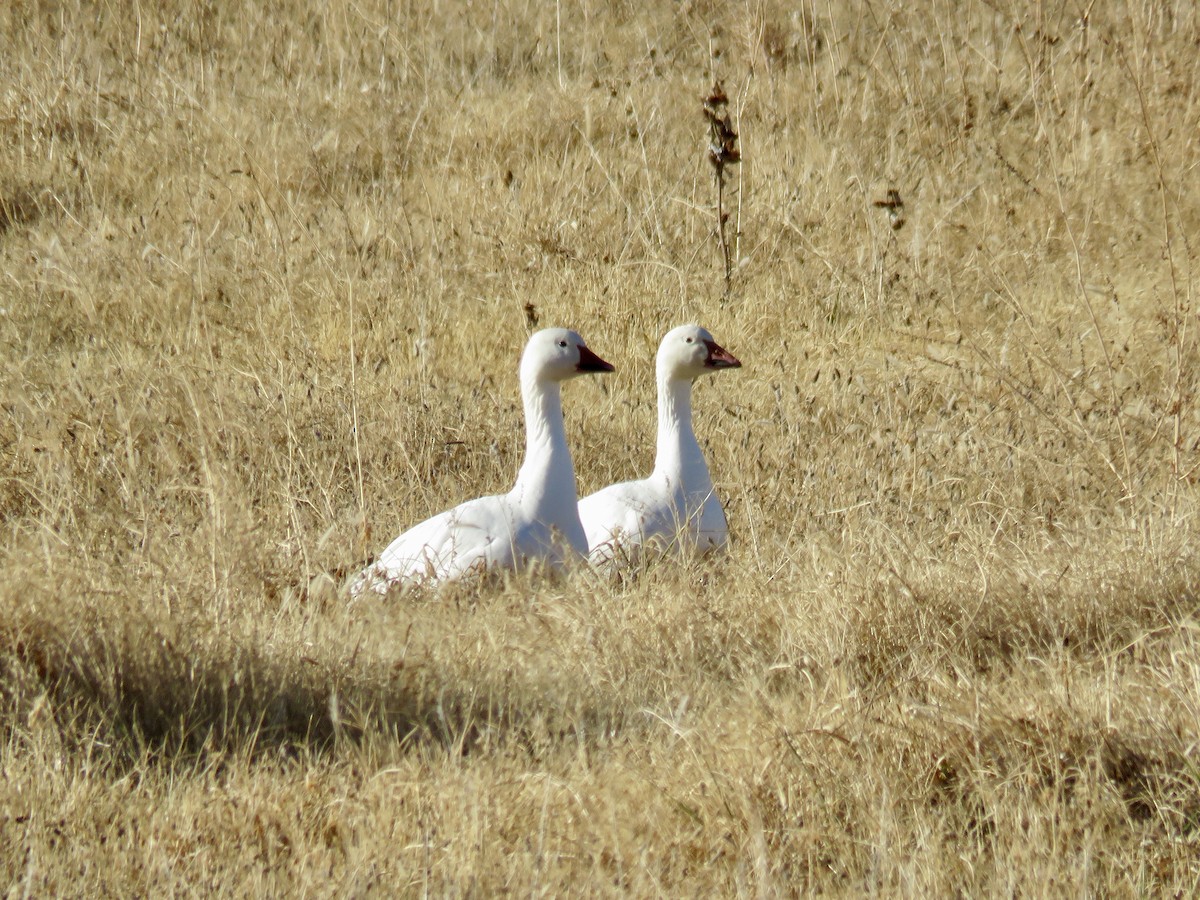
(676,506)
(537,519)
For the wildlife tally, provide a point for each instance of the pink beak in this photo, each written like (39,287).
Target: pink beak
(719,357)
(590,362)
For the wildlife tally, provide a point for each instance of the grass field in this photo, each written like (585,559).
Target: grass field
(265,274)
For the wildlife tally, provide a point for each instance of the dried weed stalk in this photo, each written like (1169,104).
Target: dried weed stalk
(722,151)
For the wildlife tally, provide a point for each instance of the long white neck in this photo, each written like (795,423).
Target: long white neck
(679,457)
(545,485)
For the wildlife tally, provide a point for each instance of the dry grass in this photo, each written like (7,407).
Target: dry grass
(266,272)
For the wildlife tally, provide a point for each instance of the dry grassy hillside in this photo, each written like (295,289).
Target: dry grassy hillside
(265,273)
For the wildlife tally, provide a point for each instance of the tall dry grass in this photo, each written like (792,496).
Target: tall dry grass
(266,273)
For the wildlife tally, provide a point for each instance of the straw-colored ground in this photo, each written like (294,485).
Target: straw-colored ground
(265,274)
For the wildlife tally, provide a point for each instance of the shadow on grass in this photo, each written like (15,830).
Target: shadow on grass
(135,688)
(903,626)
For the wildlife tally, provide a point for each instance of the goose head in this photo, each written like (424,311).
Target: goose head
(689,351)
(557,354)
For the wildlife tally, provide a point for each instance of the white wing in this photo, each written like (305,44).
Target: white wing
(475,535)
(622,518)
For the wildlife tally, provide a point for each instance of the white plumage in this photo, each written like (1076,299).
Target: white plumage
(537,520)
(676,506)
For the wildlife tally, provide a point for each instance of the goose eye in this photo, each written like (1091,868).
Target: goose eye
(690,340)
(562,343)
